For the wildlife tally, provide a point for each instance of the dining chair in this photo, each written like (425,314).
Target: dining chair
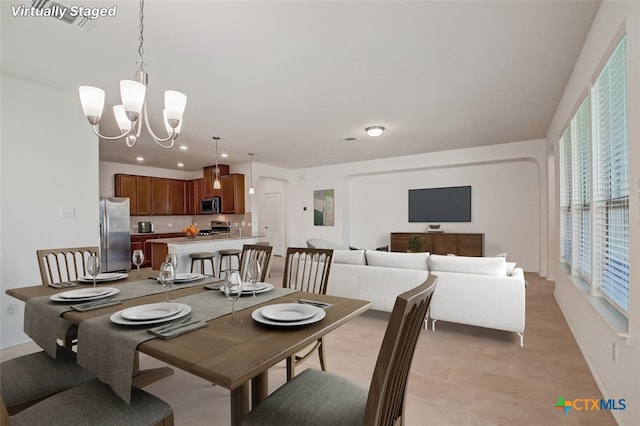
(262,253)
(62,265)
(307,269)
(315,398)
(27,379)
(65,264)
(93,403)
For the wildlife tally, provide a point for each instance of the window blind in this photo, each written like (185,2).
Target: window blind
(581,190)
(566,227)
(611,188)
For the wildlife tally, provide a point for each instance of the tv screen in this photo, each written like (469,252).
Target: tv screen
(451,204)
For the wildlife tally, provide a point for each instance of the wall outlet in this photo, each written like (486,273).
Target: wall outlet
(67,212)
(614,351)
(11,308)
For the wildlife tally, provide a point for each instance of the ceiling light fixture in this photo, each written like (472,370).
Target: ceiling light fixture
(251,190)
(374,131)
(133,110)
(216,182)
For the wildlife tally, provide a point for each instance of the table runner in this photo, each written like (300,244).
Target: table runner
(108,350)
(43,320)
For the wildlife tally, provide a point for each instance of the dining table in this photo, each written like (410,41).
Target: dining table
(235,354)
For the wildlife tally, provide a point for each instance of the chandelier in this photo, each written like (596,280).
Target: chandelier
(133,110)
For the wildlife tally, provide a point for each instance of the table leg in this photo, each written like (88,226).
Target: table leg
(259,388)
(239,403)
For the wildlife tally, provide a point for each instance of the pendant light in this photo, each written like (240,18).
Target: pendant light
(216,182)
(251,190)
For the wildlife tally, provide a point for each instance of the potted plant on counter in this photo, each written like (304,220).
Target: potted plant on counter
(414,244)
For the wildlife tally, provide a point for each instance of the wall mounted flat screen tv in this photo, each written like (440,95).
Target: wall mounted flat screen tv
(452,204)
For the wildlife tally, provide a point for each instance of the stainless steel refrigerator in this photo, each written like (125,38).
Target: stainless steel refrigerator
(115,234)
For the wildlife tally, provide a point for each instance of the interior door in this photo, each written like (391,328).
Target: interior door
(273,229)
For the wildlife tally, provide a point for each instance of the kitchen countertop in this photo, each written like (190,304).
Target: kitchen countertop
(205,238)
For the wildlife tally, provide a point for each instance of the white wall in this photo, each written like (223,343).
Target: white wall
(508,204)
(49,160)
(595,335)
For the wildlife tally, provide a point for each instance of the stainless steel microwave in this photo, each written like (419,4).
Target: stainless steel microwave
(210,205)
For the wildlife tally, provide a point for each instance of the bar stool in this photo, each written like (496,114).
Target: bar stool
(229,253)
(202,256)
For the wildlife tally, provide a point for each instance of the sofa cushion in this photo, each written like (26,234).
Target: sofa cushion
(319,243)
(469,265)
(353,257)
(398,260)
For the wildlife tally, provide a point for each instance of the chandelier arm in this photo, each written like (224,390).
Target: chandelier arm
(172,136)
(110,138)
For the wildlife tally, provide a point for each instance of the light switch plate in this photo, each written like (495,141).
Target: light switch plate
(67,212)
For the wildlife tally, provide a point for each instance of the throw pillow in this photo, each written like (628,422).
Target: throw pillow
(469,265)
(398,260)
(353,257)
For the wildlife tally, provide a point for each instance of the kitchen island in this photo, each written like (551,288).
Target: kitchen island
(183,246)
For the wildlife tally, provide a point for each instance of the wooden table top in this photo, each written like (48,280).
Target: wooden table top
(226,354)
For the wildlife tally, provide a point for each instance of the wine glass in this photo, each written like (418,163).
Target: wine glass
(167,276)
(232,288)
(254,272)
(173,259)
(93,266)
(138,259)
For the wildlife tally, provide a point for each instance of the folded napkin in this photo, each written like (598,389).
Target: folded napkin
(90,306)
(63,284)
(168,332)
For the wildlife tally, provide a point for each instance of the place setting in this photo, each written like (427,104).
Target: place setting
(288,314)
(91,298)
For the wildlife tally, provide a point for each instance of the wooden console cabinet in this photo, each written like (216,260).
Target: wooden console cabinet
(441,243)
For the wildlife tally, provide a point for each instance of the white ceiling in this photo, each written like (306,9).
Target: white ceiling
(289,80)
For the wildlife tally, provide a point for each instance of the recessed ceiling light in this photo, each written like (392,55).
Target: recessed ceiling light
(184,147)
(180,164)
(224,155)
(140,158)
(374,131)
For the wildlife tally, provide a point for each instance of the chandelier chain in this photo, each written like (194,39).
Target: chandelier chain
(141,38)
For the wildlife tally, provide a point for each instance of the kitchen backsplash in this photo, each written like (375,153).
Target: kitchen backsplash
(165,224)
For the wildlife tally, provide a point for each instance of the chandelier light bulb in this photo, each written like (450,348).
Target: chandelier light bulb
(121,117)
(132,94)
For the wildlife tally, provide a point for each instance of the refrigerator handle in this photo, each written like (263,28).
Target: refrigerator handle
(105,229)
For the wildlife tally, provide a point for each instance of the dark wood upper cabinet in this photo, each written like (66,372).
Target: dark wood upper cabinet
(209,173)
(178,196)
(232,194)
(160,196)
(126,186)
(144,196)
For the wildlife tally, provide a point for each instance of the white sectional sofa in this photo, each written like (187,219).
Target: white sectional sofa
(481,291)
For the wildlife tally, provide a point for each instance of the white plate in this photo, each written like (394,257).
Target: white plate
(151,311)
(258,317)
(184,277)
(90,294)
(260,288)
(105,277)
(84,293)
(118,319)
(288,312)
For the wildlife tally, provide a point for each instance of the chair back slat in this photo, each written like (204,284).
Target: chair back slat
(307,269)
(261,252)
(385,403)
(66,264)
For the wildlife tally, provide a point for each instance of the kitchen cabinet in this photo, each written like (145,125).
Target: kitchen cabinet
(178,196)
(232,193)
(194,195)
(137,189)
(143,242)
(126,186)
(160,196)
(144,207)
(209,173)
(441,243)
